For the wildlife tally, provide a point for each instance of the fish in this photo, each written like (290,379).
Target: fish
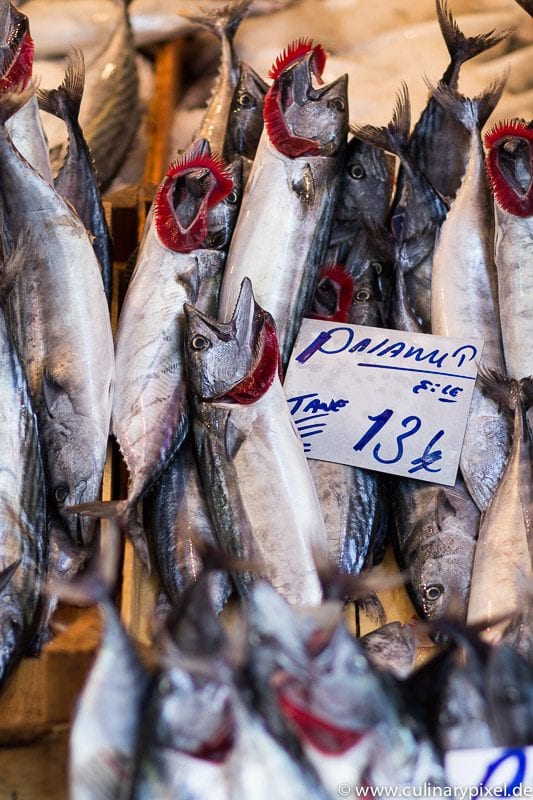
(391,648)
(417,214)
(58,315)
(178,518)
(245,120)
(244,440)
(503,556)
(76,180)
(110,110)
(224,23)
(286,212)
(510,696)
(435,532)
(464,296)
(364,195)
(23,531)
(180,259)
(508,163)
(16,63)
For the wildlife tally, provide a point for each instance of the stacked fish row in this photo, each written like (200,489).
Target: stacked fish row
(57,348)
(288,702)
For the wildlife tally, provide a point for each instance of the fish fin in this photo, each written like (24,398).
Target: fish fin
(234,437)
(53,394)
(506,392)
(373,608)
(470,112)
(66,99)
(125,515)
(410,252)
(392,137)
(460,47)
(11,102)
(13,262)
(7,573)
(304,186)
(443,507)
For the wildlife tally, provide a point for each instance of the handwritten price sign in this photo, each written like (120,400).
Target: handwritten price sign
(386,400)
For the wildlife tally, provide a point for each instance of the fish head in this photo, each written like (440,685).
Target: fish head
(367,182)
(16,50)
(221,217)
(245,123)
(463,713)
(333,294)
(510,696)
(192,711)
(193,184)
(368,296)
(236,361)
(509,164)
(74,458)
(302,119)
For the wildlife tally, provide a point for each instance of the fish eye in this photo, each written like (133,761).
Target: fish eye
(336,103)
(232,198)
(199,342)
(60,493)
(363,296)
(432,592)
(245,100)
(357,171)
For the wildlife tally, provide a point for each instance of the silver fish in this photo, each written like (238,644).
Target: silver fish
(76,180)
(282,230)
(509,166)
(245,440)
(58,314)
(180,259)
(23,534)
(245,123)
(503,557)
(464,297)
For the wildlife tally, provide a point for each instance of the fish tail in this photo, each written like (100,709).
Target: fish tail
(222,21)
(392,137)
(65,101)
(460,47)
(508,393)
(470,112)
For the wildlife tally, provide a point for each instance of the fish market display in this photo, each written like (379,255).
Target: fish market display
(245,441)
(282,230)
(23,534)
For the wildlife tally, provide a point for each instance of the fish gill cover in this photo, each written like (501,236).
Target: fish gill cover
(509,146)
(212,184)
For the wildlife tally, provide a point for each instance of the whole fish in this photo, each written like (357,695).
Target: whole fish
(58,315)
(417,213)
(245,440)
(245,120)
(509,167)
(464,296)
(503,557)
(16,59)
(224,23)
(435,531)
(110,110)
(105,728)
(76,180)
(23,534)
(282,230)
(179,519)
(180,259)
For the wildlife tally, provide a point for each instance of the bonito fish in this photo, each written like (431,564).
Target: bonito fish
(245,441)
(509,162)
(23,535)
(288,203)
(464,297)
(180,260)
(58,314)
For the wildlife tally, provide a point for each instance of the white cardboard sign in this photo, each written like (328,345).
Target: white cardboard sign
(385,400)
(491,771)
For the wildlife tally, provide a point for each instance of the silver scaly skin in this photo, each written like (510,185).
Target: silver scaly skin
(464,297)
(58,315)
(246,443)
(23,536)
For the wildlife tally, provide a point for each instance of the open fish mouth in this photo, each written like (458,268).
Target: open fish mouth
(16,54)
(193,184)
(510,166)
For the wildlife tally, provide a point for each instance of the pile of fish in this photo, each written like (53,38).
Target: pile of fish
(278,209)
